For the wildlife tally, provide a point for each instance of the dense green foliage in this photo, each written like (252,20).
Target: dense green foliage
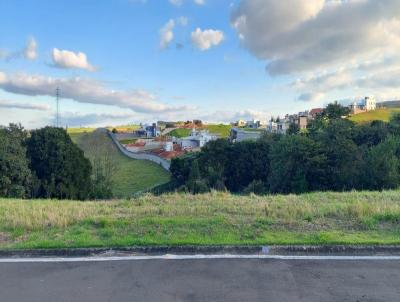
(15,176)
(46,163)
(334,154)
(59,166)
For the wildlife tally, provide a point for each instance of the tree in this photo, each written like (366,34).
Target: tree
(59,165)
(293,129)
(15,176)
(335,111)
(297,165)
(382,167)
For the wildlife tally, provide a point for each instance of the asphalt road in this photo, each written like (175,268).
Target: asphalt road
(202,280)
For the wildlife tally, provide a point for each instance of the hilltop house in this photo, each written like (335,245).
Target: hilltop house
(367,104)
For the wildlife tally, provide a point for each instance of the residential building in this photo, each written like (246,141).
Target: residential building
(365,105)
(197,139)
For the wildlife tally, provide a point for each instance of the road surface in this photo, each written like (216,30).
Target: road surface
(230,280)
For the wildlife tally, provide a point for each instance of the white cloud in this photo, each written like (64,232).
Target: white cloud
(329,44)
(70,60)
(176,2)
(180,2)
(205,39)
(85,91)
(167,34)
(30,52)
(24,106)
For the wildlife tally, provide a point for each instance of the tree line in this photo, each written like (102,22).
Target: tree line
(45,163)
(333,154)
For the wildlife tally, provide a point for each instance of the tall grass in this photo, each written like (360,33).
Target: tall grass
(215,218)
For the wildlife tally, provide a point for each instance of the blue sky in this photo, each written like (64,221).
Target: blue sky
(268,65)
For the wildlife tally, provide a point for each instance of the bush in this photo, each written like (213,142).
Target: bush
(59,165)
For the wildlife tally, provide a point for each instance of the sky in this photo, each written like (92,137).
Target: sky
(130,61)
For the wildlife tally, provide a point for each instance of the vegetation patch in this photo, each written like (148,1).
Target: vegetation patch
(209,219)
(379,114)
(128,141)
(129,176)
(180,132)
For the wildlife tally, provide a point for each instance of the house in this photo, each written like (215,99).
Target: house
(240,123)
(148,131)
(316,112)
(278,125)
(197,139)
(253,124)
(365,105)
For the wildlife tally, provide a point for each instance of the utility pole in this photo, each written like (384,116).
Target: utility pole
(58,107)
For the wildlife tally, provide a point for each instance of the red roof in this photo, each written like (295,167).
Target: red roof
(316,111)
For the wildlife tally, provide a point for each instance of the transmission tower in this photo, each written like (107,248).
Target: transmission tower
(58,107)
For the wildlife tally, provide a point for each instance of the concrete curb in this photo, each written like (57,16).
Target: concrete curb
(323,250)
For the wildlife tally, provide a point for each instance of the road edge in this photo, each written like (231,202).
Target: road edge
(295,250)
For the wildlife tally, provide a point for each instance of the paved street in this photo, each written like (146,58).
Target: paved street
(202,280)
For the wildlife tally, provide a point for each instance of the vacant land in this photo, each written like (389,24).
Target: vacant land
(210,219)
(180,132)
(130,176)
(221,130)
(380,114)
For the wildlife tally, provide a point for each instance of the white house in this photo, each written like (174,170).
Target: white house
(197,139)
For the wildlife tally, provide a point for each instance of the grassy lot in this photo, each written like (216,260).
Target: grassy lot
(130,176)
(128,141)
(180,132)
(380,114)
(222,130)
(124,128)
(211,219)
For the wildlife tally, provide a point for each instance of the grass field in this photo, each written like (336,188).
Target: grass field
(379,114)
(180,132)
(131,176)
(221,130)
(211,219)
(124,128)
(128,141)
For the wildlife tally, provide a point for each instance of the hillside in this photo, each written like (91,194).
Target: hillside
(379,114)
(211,219)
(131,176)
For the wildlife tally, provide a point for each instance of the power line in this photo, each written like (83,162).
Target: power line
(58,107)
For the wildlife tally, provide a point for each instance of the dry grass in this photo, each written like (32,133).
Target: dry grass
(216,218)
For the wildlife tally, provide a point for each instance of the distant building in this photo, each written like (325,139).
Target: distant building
(240,123)
(278,125)
(315,112)
(253,124)
(197,139)
(148,131)
(367,104)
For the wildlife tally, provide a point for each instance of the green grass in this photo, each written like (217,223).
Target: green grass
(379,114)
(130,176)
(180,132)
(221,130)
(210,219)
(128,141)
(123,128)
